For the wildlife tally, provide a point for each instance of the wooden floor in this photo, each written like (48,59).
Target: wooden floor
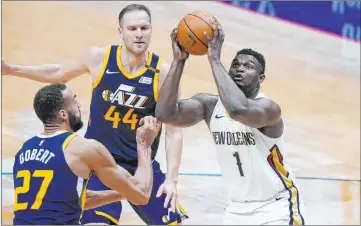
(314,77)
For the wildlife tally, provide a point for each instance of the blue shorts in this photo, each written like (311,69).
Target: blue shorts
(152,213)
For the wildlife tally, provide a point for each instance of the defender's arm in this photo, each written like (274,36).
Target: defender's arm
(53,73)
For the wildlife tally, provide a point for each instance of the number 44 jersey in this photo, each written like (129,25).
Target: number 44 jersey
(252,164)
(119,101)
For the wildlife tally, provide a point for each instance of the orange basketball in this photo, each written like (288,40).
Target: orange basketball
(191,30)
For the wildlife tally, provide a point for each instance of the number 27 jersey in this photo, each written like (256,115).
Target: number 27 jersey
(119,101)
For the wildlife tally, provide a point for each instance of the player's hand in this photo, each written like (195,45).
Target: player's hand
(147,131)
(215,44)
(5,67)
(178,52)
(170,189)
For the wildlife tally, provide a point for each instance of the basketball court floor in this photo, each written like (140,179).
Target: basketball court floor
(314,77)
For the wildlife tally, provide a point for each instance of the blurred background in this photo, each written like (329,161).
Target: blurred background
(312,52)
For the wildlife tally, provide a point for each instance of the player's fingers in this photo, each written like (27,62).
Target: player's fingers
(160,191)
(207,37)
(166,201)
(173,203)
(141,122)
(177,206)
(221,33)
(215,31)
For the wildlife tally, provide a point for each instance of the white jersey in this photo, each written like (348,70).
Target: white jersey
(252,164)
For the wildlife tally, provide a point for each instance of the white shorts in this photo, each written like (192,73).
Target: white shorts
(280,210)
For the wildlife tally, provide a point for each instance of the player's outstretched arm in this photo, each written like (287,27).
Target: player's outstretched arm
(53,73)
(136,189)
(253,113)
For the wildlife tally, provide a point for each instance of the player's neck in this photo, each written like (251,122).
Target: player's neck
(50,129)
(254,93)
(132,62)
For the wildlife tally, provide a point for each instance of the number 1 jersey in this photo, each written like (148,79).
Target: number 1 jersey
(119,101)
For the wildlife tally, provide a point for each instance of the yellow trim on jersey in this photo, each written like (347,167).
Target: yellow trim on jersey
(122,69)
(283,173)
(104,66)
(67,140)
(156,79)
(112,219)
(173,223)
(83,195)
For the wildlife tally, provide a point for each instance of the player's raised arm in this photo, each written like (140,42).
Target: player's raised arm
(137,189)
(180,113)
(54,73)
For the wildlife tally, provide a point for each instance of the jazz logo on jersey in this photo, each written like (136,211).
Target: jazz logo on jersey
(124,96)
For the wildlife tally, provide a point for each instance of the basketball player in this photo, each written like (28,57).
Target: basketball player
(247,128)
(47,167)
(125,87)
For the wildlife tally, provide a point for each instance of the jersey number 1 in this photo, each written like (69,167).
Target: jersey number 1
(239,163)
(46,174)
(129,117)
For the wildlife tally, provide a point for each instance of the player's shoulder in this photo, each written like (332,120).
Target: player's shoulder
(267,101)
(95,53)
(206,98)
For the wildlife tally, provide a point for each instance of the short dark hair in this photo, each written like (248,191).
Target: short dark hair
(134,7)
(256,55)
(48,101)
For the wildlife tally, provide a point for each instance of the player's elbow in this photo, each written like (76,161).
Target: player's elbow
(236,112)
(163,115)
(140,199)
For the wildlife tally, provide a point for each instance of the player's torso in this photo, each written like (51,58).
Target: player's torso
(45,187)
(119,100)
(252,164)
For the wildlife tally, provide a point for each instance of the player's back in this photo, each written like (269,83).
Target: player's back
(45,186)
(119,100)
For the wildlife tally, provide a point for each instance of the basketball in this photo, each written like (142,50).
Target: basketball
(191,30)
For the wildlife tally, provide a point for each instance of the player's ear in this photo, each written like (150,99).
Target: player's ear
(262,78)
(62,114)
(120,30)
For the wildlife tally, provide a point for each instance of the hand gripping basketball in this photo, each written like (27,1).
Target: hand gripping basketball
(178,51)
(215,43)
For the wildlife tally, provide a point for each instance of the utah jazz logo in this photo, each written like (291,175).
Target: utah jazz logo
(123,96)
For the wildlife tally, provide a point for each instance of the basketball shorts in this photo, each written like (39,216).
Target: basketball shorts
(281,210)
(152,213)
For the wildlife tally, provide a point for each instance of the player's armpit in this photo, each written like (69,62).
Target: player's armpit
(258,114)
(99,198)
(99,160)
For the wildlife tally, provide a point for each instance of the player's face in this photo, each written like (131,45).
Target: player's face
(246,73)
(136,30)
(72,107)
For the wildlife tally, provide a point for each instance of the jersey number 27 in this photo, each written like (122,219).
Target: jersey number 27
(47,176)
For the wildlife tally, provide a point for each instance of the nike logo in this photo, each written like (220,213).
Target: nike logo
(278,198)
(217,116)
(111,72)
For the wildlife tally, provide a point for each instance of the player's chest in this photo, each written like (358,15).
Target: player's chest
(138,93)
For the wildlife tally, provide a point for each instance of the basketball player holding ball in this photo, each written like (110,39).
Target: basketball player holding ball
(246,126)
